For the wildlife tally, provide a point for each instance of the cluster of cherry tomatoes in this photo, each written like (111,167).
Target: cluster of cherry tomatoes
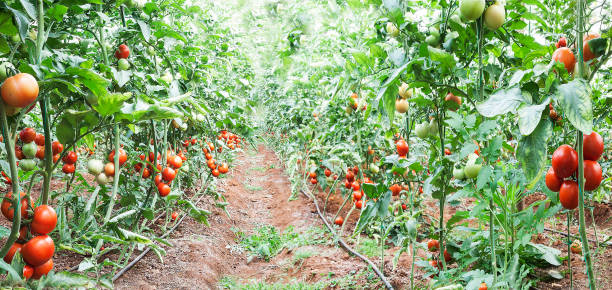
(433,246)
(34,245)
(565,55)
(561,175)
(32,147)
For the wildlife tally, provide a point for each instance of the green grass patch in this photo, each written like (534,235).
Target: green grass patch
(267,241)
(252,187)
(369,247)
(260,169)
(359,280)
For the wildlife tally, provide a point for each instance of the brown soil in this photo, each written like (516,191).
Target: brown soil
(258,193)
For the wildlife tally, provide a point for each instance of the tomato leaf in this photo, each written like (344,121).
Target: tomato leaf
(65,131)
(22,21)
(575,100)
(501,102)
(531,151)
(529,117)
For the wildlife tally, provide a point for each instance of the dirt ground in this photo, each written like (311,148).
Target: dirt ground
(258,192)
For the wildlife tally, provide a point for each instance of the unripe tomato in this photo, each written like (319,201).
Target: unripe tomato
(592,175)
(109,169)
(27,135)
(38,250)
(123,64)
(404,91)
(29,150)
(19,90)
(44,220)
(565,56)
(471,171)
(568,194)
(471,9)
(392,30)
(593,146)
(401,106)
(458,173)
(422,130)
(43,269)
(552,181)
(564,161)
(27,164)
(495,16)
(102,179)
(95,167)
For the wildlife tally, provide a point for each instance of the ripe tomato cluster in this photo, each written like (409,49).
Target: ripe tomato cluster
(33,146)
(565,55)
(232,141)
(561,175)
(34,245)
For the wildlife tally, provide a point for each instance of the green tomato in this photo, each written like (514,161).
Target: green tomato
(434,32)
(95,167)
(91,99)
(29,150)
(433,128)
(224,46)
(185,167)
(124,64)
(495,16)
(456,19)
(374,169)
(471,9)
(5,69)
(167,77)
(16,38)
(422,130)
(471,171)
(392,29)
(102,179)
(27,164)
(432,40)
(458,173)
(151,50)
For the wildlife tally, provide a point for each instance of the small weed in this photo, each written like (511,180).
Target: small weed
(252,188)
(267,241)
(259,169)
(369,247)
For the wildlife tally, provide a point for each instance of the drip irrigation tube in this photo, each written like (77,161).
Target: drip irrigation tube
(348,248)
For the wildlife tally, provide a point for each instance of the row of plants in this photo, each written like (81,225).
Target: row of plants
(456,103)
(132,99)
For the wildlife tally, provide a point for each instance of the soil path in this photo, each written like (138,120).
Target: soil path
(258,193)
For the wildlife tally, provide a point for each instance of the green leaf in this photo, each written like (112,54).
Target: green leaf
(145,30)
(529,117)
(109,104)
(446,59)
(57,12)
(65,131)
(531,151)
(598,45)
(501,102)
(575,100)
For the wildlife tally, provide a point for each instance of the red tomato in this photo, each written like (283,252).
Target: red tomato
(564,161)
(157,179)
(68,168)
(122,52)
(562,42)
(122,157)
(38,250)
(402,147)
(43,269)
(19,90)
(16,247)
(447,151)
(7,204)
(44,220)
(40,152)
(339,221)
(223,169)
(56,158)
(587,54)
(360,204)
(395,189)
(70,158)
(28,271)
(27,135)
(568,194)
(57,147)
(592,175)
(483,286)
(163,189)
(146,173)
(40,139)
(433,245)
(565,56)
(327,172)
(176,161)
(215,172)
(168,174)
(447,256)
(350,176)
(552,181)
(356,186)
(593,146)
(357,195)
